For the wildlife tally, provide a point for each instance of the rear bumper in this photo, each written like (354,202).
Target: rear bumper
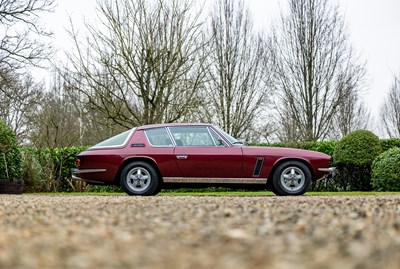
(76,174)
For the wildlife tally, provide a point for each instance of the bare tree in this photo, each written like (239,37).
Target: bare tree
(314,68)
(54,122)
(21,33)
(59,119)
(288,130)
(142,63)
(351,115)
(236,76)
(19,96)
(390,110)
(22,43)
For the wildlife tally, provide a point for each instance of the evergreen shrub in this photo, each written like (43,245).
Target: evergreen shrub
(387,144)
(386,171)
(353,157)
(49,170)
(10,153)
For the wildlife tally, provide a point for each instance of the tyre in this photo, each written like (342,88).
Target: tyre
(158,189)
(139,178)
(291,178)
(272,188)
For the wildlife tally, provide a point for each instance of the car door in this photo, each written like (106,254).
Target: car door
(161,150)
(198,155)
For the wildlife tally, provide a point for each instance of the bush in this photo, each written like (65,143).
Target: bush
(326,147)
(386,171)
(10,154)
(387,144)
(353,158)
(49,170)
(357,148)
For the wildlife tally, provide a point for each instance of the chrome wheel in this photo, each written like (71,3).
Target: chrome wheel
(138,179)
(292,179)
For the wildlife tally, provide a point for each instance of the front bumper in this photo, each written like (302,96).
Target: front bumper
(330,172)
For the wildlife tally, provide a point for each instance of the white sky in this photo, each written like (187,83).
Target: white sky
(374,28)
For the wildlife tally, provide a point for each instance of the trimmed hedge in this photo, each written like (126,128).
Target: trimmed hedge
(358,148)
(353,157)
(386,171)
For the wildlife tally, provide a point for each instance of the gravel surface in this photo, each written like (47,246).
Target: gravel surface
(199,232)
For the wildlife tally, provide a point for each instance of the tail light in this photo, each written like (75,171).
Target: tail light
(78,162)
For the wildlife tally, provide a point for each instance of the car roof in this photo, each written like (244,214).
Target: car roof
(150,126)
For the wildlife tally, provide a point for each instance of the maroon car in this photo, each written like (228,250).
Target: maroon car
(145,159)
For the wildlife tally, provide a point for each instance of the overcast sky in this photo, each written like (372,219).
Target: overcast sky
(374,28)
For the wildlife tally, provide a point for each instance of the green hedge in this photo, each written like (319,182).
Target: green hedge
(387,144)
(49,170)
(326,147)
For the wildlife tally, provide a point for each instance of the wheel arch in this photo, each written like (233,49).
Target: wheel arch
(127,161)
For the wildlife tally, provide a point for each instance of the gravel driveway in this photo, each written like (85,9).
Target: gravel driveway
(199,232)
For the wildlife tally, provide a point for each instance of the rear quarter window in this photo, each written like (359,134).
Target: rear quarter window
(158,137)
(115,141)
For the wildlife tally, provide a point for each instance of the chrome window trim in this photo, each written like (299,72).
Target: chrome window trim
(211,137)
(221,136)
(171,136)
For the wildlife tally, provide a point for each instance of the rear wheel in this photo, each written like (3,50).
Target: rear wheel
(139,178)
(291,178)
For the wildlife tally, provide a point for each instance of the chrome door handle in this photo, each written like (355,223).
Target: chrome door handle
(181,157)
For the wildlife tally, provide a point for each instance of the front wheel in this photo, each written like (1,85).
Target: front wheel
(291,178)
(139,178)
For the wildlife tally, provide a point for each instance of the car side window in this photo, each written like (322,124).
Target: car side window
(192,136)
(158,137)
